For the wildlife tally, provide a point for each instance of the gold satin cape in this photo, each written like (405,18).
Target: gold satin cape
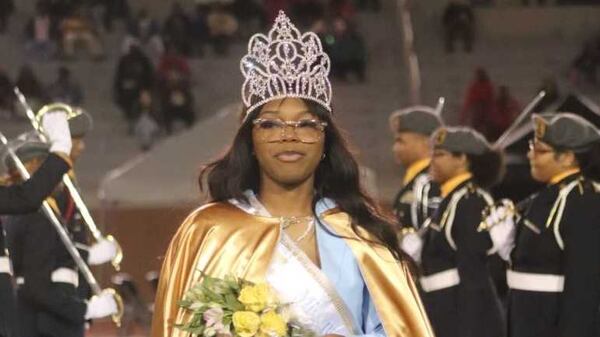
(219,239)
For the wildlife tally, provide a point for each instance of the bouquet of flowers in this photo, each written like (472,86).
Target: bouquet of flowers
(233,307)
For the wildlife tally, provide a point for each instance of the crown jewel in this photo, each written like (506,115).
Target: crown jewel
(285,63)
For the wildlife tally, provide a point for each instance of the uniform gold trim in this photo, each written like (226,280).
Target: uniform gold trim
(540,127)
(440,136)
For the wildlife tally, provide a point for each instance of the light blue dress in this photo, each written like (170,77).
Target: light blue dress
(342,270)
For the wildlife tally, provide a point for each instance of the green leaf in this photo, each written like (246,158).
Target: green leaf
(233,303)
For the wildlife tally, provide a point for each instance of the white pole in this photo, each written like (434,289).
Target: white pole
(410,55)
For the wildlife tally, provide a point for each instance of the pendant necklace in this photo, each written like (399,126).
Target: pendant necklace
(293,220)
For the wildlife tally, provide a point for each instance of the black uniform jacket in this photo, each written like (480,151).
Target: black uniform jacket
(19,199)
(452,241)
(416,201)
(46,308)
(566,244)
(28,196)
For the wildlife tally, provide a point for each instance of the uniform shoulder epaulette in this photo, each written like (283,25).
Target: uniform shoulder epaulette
(472,189)
(448,216)
(558,208)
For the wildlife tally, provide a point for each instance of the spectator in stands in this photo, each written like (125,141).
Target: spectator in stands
(459,24)
(78,29)
(173,62)
(38,32)
(134,74)
(342,9)
(222,26)
(144,31)
(31,87)
(177,102)
(307,12)
(146,128)
(7,7)
(200,33)
(479,102)
(177,28)
(7,96)
(506,108)
(64,89)
(347,51)
(587,62)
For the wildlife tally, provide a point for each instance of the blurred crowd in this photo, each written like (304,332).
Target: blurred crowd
(153,77)
(153,83)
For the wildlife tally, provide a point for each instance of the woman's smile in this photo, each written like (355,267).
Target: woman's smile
(289,156)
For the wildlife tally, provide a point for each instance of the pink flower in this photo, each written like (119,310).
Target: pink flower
(214,318)
(222,331)
(217,330)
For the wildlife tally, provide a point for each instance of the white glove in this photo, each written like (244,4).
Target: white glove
(56,127)
(101,252)
(101,306)
(502,230)
(412,244)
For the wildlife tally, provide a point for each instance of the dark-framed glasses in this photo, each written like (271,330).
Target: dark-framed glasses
(273,130)
(536,149)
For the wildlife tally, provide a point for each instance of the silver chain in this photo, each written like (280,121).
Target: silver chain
(289,221)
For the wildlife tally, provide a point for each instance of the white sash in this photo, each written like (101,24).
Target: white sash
(312,299)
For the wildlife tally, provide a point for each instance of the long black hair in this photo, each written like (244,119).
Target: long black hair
(589,162)
(337,177)
(488,168)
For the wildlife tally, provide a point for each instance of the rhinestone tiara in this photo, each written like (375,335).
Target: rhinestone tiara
(285,63)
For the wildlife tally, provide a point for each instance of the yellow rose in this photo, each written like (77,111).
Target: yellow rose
(256,298)
(272,324)
(246,323)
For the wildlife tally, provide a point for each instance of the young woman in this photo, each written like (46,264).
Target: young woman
(288,209)
(554,278)
(458,292)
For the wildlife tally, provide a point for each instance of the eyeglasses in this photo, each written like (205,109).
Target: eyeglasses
(273,130)
(535,148)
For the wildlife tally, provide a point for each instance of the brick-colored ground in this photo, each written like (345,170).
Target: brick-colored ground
(106,328)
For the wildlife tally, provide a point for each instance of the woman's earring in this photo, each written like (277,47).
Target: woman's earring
(323,156)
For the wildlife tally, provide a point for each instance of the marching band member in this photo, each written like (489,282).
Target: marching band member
(27,197)
(554,249)
(49,300)
(419,196)
(457,288)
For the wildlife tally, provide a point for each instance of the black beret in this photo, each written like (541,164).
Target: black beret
(420,119)
(26,147)
(565,131)
(81,125)
(460,140)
